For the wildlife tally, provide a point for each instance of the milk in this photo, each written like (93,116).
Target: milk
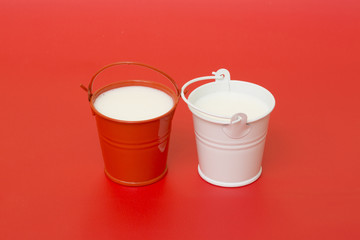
(133,103)
(226,103)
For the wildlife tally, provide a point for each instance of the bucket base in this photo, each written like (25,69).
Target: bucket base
(231,184)
(136,184)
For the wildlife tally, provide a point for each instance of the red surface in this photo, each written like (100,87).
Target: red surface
(52,184)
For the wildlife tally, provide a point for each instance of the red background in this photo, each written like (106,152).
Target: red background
(52,184)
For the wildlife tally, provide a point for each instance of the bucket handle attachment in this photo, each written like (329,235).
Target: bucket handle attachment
(89,88)
(236,128)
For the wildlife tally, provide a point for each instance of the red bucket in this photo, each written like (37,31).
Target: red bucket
(134,152)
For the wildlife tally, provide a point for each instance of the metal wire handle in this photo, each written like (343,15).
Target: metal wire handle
(220,75)
(89,88)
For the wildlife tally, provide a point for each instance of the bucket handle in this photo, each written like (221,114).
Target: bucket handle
(237,126)
(220,75)
(89,88)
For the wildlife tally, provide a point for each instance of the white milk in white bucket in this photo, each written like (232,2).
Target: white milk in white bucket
(133,103)
(227,103)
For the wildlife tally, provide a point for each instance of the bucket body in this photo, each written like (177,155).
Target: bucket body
(226,161)
(230,152)
(134,152)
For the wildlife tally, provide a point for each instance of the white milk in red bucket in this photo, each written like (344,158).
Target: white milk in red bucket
(133,103)
(230,122)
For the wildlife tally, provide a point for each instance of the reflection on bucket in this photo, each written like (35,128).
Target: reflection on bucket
(230,122)
(133,119)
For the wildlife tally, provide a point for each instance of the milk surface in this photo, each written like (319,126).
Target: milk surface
(133,103)
(228,103)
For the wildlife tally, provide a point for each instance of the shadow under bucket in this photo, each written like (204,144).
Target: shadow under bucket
(230,122)
(134,142)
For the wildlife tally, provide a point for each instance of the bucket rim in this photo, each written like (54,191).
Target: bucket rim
(145,83)
(225,119)
(220,75)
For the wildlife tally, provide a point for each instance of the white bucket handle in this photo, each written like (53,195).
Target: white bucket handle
(237,126)
(220,75)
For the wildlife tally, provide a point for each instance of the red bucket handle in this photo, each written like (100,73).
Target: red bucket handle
(89,88)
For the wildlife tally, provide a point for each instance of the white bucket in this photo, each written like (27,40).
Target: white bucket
(230,147)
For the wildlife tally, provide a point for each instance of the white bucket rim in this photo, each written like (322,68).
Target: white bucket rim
(221,75)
